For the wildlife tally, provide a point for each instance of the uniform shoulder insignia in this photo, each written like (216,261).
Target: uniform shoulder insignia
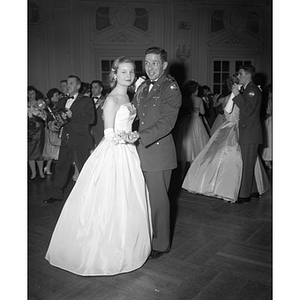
(251,94)
(173,86)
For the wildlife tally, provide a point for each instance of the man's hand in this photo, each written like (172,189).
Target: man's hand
(235,89)
(69,113)
(131,137)
(52,126)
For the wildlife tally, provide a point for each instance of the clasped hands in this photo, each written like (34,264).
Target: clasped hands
(235,89)
(129,137)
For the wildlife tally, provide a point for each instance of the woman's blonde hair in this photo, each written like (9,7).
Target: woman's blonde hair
(114,69)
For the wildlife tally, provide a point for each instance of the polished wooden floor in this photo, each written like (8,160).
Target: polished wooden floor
(220,251)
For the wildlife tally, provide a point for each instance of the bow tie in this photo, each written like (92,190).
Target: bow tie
(151,82)
(71,97)
(96,98)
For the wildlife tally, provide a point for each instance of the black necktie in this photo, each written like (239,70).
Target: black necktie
(242,89)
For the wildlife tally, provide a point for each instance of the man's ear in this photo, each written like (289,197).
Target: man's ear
(165,65)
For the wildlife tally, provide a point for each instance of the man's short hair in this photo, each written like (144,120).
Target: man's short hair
(98,82)
(76,77)
(158,50)
(249,69)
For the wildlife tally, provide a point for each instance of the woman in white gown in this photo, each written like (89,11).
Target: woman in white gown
(217,170)
(190,134)
(105,225)
(267,148)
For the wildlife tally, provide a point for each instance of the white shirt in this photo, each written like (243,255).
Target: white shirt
(70,101)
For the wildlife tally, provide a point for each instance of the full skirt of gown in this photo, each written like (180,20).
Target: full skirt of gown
(191,137)
(220,119)
(105,225)
(217,170)
(52,144)
(267,154)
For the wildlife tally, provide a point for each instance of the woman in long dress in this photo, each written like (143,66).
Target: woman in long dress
(190,133)
(105,225)
(267,153)
(36,118)
(52,139)
(217,170)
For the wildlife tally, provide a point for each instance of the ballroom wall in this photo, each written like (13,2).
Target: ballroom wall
(79,36)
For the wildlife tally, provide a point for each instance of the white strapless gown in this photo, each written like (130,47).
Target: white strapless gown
(105,225)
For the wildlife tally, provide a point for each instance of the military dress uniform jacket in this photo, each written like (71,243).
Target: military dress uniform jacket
(249,103)
(157,112)
(76,134)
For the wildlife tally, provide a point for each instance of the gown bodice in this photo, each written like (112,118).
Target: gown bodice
(234,116)
(195,111)
(125,117)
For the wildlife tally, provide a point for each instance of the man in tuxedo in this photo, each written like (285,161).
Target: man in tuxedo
(98,125)
(158,101)
(250,130)
(63,88)
(76,139)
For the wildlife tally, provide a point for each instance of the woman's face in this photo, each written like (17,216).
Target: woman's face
(125,74)
(55,98)
(31,95)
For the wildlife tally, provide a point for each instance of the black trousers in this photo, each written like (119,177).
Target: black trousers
(65,160)
(249,157)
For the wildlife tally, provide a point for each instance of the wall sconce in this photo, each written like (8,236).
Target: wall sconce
(183,52)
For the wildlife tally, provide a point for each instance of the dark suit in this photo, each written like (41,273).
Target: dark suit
(76,141)
(250,135)
(98,125)
(157,113)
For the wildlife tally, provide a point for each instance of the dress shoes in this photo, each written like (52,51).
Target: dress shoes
(156,254)
(244,199)
(52,200)
(255,195)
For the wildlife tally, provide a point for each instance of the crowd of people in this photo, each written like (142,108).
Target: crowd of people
(124,144)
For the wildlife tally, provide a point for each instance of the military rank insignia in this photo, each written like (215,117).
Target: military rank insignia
(251,94)
(173,86)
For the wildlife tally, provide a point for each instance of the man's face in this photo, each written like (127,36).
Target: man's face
(96,89)
(243,77)
(63,87)
(154,67)
(73,86)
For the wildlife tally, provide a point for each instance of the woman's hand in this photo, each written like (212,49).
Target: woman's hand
(130,137)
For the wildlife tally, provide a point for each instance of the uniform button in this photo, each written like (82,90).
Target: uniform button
(157,143)
(143,114)
(143,123)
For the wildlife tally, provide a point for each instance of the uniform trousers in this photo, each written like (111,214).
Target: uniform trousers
(158,183)
(65,161)
(249,157)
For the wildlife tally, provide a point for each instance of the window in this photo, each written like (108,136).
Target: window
(222,68)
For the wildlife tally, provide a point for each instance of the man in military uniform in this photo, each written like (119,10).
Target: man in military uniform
(250,130)
(158,100)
